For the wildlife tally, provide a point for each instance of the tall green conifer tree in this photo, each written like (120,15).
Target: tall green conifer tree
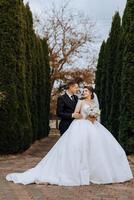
(126,129)
(111,57)
(114,116)
(15,129)
(99,72)
(24,79)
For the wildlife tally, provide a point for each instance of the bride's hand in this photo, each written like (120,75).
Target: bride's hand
(91,118)
(77,115)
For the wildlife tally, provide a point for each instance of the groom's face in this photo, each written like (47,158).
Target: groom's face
(74,88)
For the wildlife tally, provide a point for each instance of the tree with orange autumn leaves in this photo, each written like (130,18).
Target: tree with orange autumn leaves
(69,36)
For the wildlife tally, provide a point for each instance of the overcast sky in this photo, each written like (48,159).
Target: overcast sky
(101,11)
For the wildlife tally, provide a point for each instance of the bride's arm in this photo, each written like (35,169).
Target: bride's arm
(96,102)
(78,106)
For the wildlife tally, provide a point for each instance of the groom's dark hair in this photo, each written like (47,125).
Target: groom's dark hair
(71,83)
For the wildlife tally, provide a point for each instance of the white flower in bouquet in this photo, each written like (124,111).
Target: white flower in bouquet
(93,110)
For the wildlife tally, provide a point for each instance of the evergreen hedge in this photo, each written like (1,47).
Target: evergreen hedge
(24,78)
(114,83)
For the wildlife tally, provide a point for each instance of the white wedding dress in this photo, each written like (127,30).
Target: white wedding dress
(86,153)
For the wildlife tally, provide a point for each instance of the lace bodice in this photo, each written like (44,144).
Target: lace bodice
(83,112)
(82,107)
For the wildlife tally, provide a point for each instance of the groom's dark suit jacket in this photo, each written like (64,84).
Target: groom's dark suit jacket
(65,108)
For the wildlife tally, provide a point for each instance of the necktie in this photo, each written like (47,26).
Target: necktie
(72,97)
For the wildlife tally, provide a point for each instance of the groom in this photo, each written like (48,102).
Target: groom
(66,105)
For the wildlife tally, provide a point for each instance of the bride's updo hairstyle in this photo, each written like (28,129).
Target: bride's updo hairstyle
(91,90)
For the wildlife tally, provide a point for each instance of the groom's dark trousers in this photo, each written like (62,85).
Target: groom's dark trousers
(65,108)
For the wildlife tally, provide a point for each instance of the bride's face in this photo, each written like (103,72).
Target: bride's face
(86,93)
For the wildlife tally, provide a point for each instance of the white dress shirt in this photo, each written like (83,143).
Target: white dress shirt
(69,94)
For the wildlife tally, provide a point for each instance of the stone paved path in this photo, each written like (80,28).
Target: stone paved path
(28,159)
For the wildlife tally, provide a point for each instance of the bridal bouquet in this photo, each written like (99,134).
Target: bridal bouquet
(93,110)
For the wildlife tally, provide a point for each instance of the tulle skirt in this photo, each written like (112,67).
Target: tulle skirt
(86,153)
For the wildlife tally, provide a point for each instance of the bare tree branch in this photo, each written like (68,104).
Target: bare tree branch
(69,35)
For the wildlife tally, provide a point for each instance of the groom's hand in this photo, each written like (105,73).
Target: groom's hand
(76,115)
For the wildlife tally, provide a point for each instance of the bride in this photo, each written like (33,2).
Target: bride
(86,153)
